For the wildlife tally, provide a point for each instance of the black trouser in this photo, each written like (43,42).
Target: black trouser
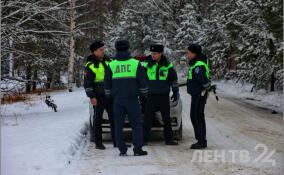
(197,116)
(103,104)
(157,102)
(132,108)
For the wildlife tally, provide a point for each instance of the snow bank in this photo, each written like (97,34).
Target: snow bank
(36,140)
(263,98)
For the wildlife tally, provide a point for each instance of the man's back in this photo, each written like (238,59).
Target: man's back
(125,77)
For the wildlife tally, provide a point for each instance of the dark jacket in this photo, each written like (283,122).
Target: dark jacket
(199,81)
(93,89)
(126,87)
(162,86)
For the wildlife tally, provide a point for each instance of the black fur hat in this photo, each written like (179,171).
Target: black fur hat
(122,45)
(156,48)
(95,45)
(195,48)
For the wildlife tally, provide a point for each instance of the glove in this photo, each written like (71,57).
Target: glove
(212,88)
(174,97)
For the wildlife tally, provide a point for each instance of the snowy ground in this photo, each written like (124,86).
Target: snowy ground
(36,140)
(230,127)
(261,98)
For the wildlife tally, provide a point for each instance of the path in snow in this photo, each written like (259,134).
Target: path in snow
(231,125)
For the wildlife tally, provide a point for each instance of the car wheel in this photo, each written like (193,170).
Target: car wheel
(92,134)
(178,134)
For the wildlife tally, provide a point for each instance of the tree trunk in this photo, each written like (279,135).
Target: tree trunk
(11,58)
(35,80)
(272,82)
(49,80)
(56,78)
(72,44)
(28,77)
(78,79)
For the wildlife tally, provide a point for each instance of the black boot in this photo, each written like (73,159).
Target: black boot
(100,146)
(205,144)
(171,142)
(199,145)
(140,153)
(122,154)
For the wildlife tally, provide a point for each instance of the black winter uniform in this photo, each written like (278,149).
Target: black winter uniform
(158,99)
(195,86)
(96,90)
(125,92)
(125,88)
(162,87)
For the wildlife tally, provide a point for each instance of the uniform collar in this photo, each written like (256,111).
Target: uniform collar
(95,60)
(163,62)
(200,57)
(193,61)
(123,55)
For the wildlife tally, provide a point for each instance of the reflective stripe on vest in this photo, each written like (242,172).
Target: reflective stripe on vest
(198,63)
(124,69)
(99,71)
(163,71)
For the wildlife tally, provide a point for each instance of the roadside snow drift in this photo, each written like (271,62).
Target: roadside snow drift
(36,140)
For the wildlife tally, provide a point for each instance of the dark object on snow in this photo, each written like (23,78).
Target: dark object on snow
(140,153)
(274,112)
(199,145)
(50,103)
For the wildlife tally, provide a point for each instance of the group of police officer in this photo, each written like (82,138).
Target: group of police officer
(115,84)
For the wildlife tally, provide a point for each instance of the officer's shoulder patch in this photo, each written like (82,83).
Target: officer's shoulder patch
(196,70)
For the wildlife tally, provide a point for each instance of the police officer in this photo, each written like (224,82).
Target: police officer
(198,86)
(124,80)
(94,87)
(161,76)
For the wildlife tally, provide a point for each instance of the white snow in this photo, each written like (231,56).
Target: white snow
(262,98)
(230,127)
(36,140)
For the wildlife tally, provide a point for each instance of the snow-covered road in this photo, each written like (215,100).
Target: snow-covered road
(35,140)
(233,128)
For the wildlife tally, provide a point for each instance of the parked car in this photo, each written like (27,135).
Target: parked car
(176,118)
